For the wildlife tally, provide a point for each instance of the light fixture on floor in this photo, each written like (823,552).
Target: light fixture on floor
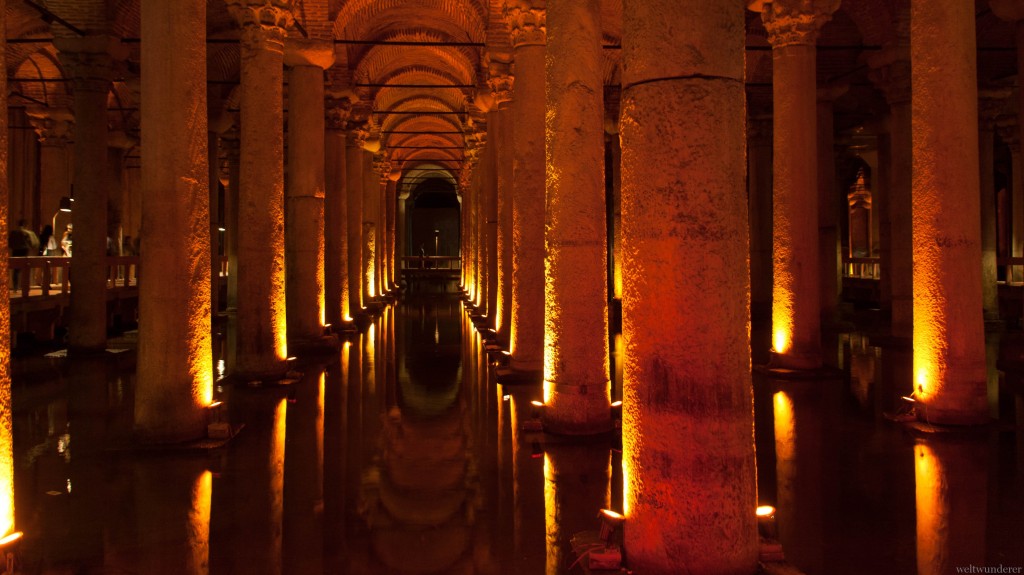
(8,548)
(601,550)
(771,549)
(217,427)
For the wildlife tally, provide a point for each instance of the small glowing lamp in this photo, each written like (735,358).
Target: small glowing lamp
(536,403)
(616,404)
(611,521)
(11,538)
(766,521)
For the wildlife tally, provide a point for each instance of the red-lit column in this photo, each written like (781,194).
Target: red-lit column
(262,347)
(576,390)
(759,193)
(6,408)
(828,207)
(501,88)
(485,192)
(232,148)
(89,62)
(370,187)
(688,448)
(354,192)
(336,286)
(53,126)
(793,27)
(949,338)
(891,74)
(304,200)
(1009,133)
(990,105)
(175,368)
(391,197)
(526,21)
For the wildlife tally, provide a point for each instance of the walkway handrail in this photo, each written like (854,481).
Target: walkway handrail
(431,262)
(862,267)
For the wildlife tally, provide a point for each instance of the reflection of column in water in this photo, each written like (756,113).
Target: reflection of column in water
(392,358)
(335,453)
(354,436)
(991,372)
(576,487)
(504,475)
(172,514)
(952,494)
(527,489)
(798,453)
(256,478)
(303,485)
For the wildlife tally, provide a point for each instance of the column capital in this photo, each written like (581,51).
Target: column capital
(264,23)
(53,126)
(892,76)
(357,134)
(306,52)
(501,86)
(793,22)
(337,111)
(992,103)
(1009,10)
(527,22)
(91,61)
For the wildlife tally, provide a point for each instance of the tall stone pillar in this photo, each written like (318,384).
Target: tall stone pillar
(1013,11)
(576,385)
(401,228)
(233,150)
(484,191)
(304,203)
(501,88)
(215,221)
(6,409)
(990,103)
(89,61)
(54,127)
(829,260)
(793,27)
(891,74)
(1009,132)
(263,349)
(371,209)
(174,383)
(495,126)
(688,501)
(759,194)
(949,338)
(336,215)
(391,209)
(613,194)
(526,21)
(354,192)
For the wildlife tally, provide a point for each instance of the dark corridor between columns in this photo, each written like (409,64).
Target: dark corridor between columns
(401,454)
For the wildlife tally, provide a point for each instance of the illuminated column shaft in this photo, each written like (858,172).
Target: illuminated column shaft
(371,203)
(893,77)
(491,273)
(796,313)
(528,169)
(391,205)
(175,369)
(576,387)
(335,217)
(263,349)
(828,207)
(688,500)
(54,128)
(6,409)
(949,338)
(485,191)
(354,193)
(214,218)
(759,182)
(172,508)
(503,319)
(304,203)
(233,149)
(989,103)
(1009,133)
(89,62)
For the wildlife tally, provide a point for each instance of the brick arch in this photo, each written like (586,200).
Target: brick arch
(356,18)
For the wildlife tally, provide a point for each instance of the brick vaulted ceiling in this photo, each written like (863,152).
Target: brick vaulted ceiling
(398,57)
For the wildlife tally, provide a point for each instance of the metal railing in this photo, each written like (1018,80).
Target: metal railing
(431,262)
(861,268)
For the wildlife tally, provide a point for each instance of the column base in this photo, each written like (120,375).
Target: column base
(932,420)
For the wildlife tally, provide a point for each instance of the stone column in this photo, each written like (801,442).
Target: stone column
(215,217)
(949,338)
(491,217)
(990,104)
(6,409)
(233,149)
(687,371)
(576,386)
(759,195)
(54,128)
(336,215)
(89,61)
(1009,132)
(401,227)
(501,88)
(1013,11)
(526,21)
(391,197)
(304,203)
(484,191)
(118,146)
(892,75)
(829,259)
(613,193)
(263,349)
(174,382)
(793,27)
(371,206)
(354,191)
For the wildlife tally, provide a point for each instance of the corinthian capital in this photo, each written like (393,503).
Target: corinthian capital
(264,23)
(501,87)
(52,125)
(527,21)
(793,22)
(337,112)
